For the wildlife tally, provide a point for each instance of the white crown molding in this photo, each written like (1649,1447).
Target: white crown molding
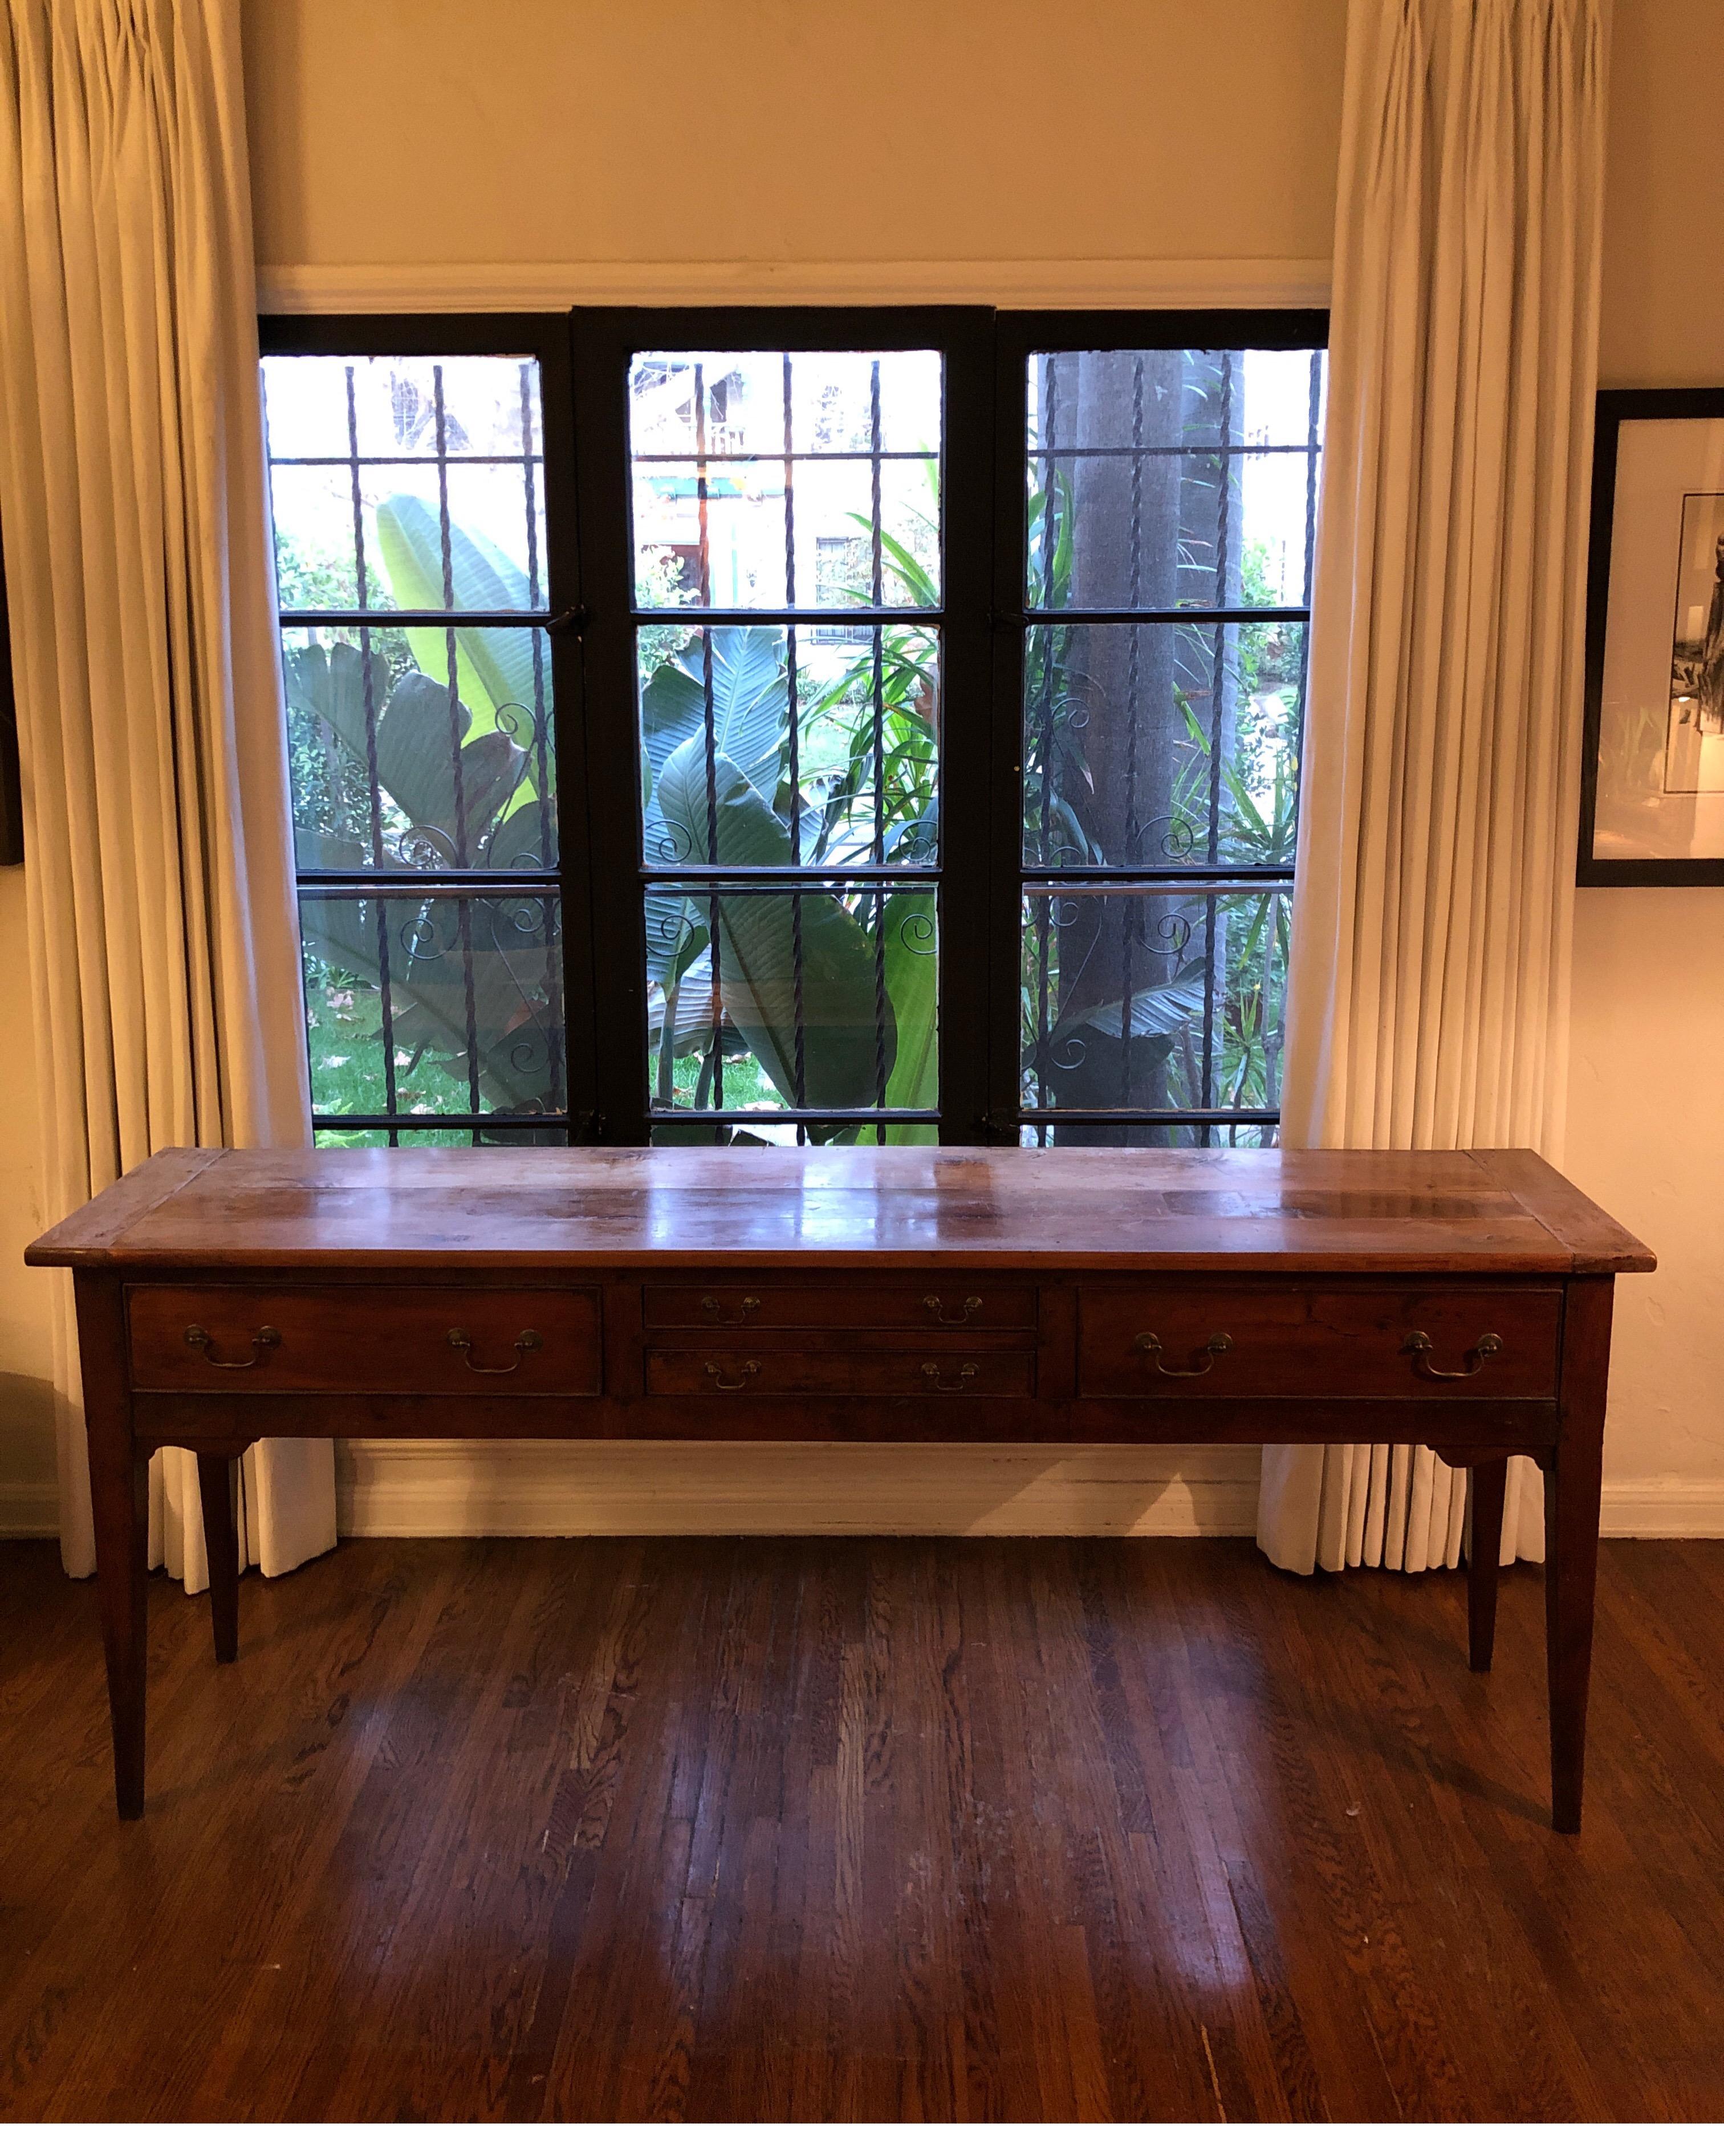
(539,287)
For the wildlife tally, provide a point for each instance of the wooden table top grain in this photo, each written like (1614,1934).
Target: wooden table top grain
(1268,1210)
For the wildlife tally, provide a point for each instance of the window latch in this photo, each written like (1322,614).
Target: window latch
(570,622)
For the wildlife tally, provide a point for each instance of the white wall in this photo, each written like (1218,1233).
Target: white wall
(993,140)
(1649,965)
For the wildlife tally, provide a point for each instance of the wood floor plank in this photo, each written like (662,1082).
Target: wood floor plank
(885,1829)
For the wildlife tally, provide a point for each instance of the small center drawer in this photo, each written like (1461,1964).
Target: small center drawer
(292,1339)
(899,1374)
(1195,1341)
(913,1304)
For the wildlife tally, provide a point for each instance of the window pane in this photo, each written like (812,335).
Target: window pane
(1171,479)
(824,997)
(407,482)
(727,778)
(433,1004)
(1153,998)
(391,769)
(1124,763)
(748,468)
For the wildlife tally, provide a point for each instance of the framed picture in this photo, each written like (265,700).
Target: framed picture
(1652,781)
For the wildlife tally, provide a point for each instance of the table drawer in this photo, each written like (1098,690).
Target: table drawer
(343,1339)
(920,1300)
(1195,1341)
(893,1372)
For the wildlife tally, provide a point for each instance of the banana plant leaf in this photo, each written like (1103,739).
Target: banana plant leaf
(757,966)
(750,708)
(1157,1014)
(412,730)
(495,949)
(433,944)
(494,666)
(750,718)
(912,983)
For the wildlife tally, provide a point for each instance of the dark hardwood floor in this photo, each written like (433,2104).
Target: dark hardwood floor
(845,1830)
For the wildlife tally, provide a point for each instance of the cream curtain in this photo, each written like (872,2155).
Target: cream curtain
(1428,983)
(163,954)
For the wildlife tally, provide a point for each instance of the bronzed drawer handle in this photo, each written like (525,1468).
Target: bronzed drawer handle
(936,1384)
(1218,1344)
(262,1341)
(1420,1345)
(724,1384)
(713,1308)
(972,1303)
(525,1343)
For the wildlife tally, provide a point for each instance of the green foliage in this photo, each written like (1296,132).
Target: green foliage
(467,1001)
(748,824)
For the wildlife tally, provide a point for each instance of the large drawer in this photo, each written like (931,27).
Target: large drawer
(915,1302)
(302,1339)
(893,1372)
(1194,1340)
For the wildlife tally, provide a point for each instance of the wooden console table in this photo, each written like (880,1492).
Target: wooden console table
(1071,1296)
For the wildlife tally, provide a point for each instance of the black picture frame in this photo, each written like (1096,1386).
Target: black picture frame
(1616,407)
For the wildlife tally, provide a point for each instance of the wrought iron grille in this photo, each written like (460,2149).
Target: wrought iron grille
(1169,521)
(408,498)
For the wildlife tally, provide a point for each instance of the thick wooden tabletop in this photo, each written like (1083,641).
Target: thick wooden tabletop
(1073,1207)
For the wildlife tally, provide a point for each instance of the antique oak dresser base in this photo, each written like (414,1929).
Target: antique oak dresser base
(1067,1297)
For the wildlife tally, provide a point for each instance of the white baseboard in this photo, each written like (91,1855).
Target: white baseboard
(1663,1508)
(432,1486)
(535,287)
(29,1511)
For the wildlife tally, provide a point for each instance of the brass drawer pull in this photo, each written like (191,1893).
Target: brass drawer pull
(1218,1344)
(972,1303)
(525,1343)
(724,1384)
(936,1384)
(711,1307)
(1420,1345)
(262,1341)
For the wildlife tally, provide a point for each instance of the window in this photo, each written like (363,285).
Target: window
(795,727)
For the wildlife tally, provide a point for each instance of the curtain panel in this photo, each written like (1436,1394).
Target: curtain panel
(164,956)
(1428,989)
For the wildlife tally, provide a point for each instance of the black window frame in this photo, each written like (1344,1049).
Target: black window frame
(590,617)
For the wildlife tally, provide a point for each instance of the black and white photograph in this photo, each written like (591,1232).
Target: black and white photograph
(1694,746)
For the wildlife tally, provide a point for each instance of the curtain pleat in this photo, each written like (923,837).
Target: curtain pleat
(1428,986)
(164,959)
